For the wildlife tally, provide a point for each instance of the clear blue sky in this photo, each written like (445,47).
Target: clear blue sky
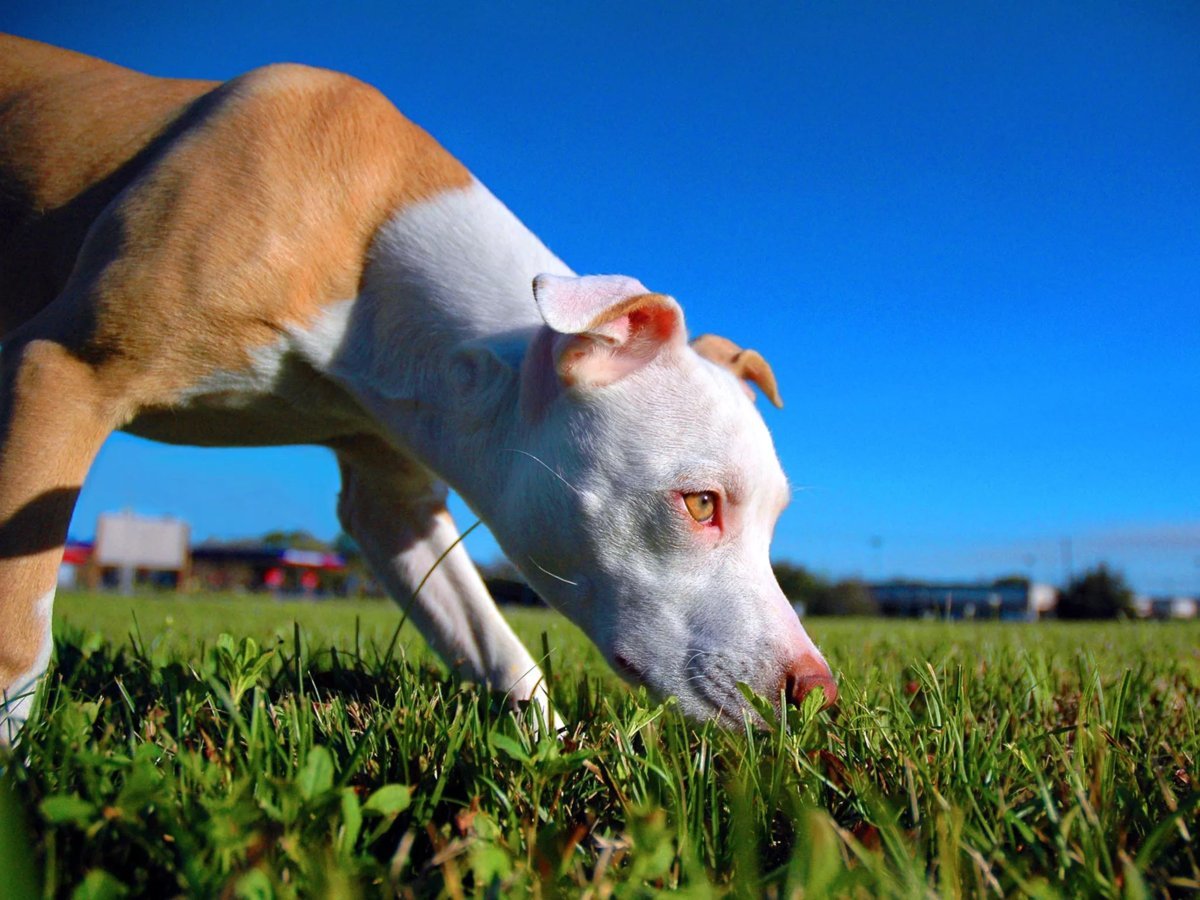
(966,235)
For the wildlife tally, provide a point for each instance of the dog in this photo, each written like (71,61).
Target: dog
(284,258)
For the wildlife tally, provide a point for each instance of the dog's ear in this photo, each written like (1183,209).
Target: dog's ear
(748,365)
(606,326)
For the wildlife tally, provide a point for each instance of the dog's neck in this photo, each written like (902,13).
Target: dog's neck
(433,344)
(462,265)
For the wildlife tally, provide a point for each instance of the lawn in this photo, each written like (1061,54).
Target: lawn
(247,748)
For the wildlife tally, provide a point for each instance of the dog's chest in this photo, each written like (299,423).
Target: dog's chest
(282,397)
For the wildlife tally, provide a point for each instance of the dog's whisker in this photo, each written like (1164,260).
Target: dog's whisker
(551,574)
(544,465)
(696,652)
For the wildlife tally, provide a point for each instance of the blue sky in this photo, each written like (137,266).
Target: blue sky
(967,237)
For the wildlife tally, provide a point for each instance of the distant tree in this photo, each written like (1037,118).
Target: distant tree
(852,597)
(820,597)
(1098,593)
(800,585)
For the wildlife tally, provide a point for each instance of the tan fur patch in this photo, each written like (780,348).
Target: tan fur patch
(748,365)
(254,207)
(70,127)
(46,393)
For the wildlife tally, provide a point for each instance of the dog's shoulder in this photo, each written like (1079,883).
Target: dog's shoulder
(255,200)
(71,124)
(329,130)
(249,214)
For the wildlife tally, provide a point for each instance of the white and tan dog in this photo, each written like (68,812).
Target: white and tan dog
(285,259)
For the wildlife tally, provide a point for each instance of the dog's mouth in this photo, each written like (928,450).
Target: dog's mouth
(711,693)
(714,687)
(628,670)
(709,696)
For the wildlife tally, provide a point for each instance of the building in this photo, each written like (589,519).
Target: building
(234,566)
(254,566)
(1166,607)
(1011,601)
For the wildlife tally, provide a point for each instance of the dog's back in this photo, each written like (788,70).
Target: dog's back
(70,126)
(226,208)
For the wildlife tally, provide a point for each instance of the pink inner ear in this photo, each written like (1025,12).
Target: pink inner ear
(656,323)
(613,333)
(614,349)
(602,328)
(583,361)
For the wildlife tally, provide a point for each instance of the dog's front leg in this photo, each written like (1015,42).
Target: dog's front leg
(54,415)
(398,516)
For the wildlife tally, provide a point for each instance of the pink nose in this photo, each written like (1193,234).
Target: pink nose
(804,675)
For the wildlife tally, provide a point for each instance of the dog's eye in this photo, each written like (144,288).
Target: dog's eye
(702,505)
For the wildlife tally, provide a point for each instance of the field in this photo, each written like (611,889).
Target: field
(246,748)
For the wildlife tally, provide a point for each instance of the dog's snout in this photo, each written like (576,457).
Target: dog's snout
(806,674)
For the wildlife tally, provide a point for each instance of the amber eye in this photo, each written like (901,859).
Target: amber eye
(702,505)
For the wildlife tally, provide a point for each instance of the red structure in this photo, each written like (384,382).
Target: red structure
(238,566)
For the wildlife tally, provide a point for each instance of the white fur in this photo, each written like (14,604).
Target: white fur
(580,499)
(430,369)
(256,379)
(461,266)
(570,305)
(18,700)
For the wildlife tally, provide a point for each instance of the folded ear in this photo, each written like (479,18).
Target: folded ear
(606,325)
(748,365)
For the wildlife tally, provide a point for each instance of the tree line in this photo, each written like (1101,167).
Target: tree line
(1098,593)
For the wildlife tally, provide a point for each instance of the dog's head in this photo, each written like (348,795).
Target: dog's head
(646,495)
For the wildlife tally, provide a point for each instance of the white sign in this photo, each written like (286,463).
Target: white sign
(127,539)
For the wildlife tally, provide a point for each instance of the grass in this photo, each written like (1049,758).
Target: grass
(302,758)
